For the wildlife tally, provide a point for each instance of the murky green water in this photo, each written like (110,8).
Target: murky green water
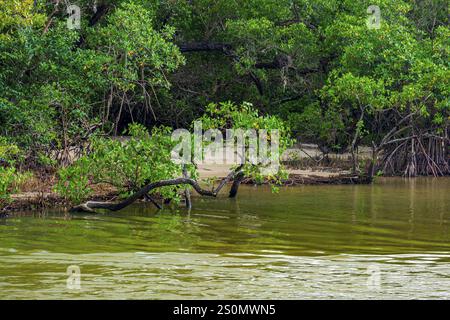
(388,240)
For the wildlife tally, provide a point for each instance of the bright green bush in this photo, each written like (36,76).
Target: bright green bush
(125,165)
(7,179)
(227,115)
(10,178)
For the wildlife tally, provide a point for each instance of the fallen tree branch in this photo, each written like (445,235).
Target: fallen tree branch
(89,206)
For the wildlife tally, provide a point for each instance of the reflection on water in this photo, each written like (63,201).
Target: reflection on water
(306,242)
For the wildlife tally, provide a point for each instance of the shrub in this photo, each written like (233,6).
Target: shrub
(126,166)
(227,115)
(10,178)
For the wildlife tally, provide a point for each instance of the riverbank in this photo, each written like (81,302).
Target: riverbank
(38,192)
(313,175)
(305,165)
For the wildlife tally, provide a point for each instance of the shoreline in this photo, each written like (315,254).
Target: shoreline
(38,193)
(38,200)
(40,196)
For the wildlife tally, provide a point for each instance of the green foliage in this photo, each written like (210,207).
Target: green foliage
(52,88)
(9,152)
(74,181)
(313,63)
(17,14)
(10,178)
(125,165)
(46,89)
(227,115)
(135,48)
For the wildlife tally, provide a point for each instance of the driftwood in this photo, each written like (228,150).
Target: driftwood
(90,206)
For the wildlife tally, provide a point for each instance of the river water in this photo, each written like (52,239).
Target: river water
(386,240)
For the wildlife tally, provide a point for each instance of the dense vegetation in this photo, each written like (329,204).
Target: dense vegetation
(315,64)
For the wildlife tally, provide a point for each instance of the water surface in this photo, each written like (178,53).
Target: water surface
(387,240)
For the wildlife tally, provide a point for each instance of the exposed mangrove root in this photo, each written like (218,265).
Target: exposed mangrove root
(417,155)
